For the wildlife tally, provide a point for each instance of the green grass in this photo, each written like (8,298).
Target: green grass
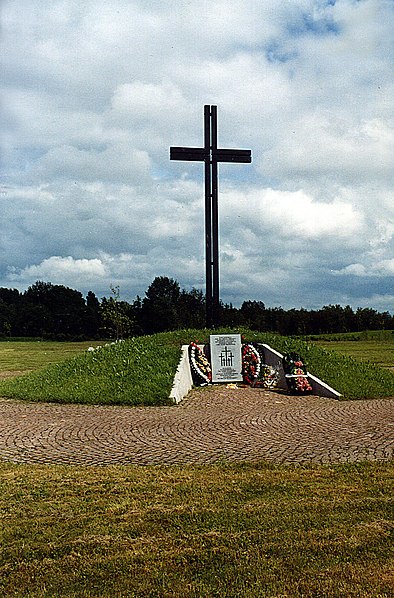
(365,335)
(353,378)
(221,530)
(23,356)
(140,371)
(381,354)
(374,346)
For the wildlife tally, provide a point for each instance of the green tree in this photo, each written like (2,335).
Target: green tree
(9,307)
(63,309)
(253,314)
(92,320)
(160,307)
(191,309)
(115,317)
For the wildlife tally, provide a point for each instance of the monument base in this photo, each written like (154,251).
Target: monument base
(183,382)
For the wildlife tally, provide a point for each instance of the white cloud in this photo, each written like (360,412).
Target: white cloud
(353,269)
(143,100)
(379,268)
(295,214)
(60,270)
(380,302)
(324,150)
(116,163)
(94,94)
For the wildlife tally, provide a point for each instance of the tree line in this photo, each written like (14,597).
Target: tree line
(57,312)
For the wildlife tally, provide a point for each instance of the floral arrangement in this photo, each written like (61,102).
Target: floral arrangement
(199,365)
(250,364)
(269,376)
(254,372)
(296,374)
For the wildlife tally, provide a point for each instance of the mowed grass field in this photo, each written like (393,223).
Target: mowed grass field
(21,357)
(372,346)
(251,530)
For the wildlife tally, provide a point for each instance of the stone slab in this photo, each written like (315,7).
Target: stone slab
(183,378)
(226,357)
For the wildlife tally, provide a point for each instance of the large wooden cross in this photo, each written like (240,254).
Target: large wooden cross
(211,155)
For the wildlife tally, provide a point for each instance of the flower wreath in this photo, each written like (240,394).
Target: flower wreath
(296,374)
(269,376)
(251,361)
(199,366)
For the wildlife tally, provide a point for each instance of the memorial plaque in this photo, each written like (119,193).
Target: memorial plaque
(226,357)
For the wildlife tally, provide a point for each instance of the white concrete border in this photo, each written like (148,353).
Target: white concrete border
(183,382)
(274,358)
(183,378)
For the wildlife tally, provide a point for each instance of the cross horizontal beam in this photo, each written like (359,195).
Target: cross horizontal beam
(232,155)
(199,154)
(190,154)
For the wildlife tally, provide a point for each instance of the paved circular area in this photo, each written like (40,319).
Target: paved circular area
(211,424)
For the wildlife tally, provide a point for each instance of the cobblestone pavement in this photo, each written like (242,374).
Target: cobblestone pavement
(211,424)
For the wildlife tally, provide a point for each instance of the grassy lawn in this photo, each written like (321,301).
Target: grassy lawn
(223,530)
(140,371)
(26,356)
(373,346)
(379,353)
(137,371)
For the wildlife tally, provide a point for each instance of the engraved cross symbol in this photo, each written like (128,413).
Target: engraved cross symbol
(226,357)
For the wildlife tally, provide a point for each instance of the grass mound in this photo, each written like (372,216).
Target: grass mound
(140,371)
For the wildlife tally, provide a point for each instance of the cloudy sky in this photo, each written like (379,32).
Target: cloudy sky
(94,94)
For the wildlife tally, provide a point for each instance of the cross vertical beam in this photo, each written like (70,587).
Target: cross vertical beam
(211,155)
(215,218)
(208,218)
